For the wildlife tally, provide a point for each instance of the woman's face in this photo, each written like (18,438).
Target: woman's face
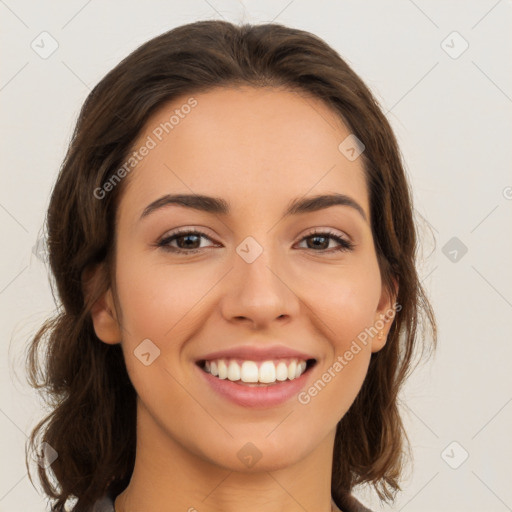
(251,286)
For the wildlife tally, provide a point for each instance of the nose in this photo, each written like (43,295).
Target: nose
(259,293)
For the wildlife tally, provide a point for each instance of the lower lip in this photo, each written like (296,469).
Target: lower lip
(256,396)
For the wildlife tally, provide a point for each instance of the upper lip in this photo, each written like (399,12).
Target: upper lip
(256,353)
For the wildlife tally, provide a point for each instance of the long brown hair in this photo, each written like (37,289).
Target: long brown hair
(91,425)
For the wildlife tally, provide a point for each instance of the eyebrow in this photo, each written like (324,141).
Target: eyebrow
(217,205)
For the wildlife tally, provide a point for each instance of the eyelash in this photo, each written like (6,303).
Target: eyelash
(345,245)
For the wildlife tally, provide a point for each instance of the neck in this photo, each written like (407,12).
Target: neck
(169,478)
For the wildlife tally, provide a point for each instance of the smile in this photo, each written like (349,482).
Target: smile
(256,372)
(256,384)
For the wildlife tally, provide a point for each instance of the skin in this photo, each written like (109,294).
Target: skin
(258,149)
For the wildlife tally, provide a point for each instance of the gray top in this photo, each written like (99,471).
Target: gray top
(104,504)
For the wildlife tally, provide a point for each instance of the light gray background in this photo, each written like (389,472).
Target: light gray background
(452,118)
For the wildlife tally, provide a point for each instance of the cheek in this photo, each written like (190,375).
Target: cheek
(157,304)
(345,308)
(163,304)
(344,298)
(158,299)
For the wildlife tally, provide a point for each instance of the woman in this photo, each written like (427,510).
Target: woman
(232,240)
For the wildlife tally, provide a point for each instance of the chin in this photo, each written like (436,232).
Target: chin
(261,454)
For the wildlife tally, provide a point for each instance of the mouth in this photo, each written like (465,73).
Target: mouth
(257,376)
(268,373)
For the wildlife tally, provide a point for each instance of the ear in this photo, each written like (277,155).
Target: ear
(104,319)
(103,312)
(386,311)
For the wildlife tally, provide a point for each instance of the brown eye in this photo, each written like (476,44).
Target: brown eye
(319,242)
(187,242)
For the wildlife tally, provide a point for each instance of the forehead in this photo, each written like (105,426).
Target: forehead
(248,145)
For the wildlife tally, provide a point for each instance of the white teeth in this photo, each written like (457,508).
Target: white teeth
(268,372)
(281,371)
(249,371)
(292,369)
(223,369)
(233,371)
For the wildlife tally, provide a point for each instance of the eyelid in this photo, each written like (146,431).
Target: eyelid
(202,231)
(330,231)
(189,230)
(199,230)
